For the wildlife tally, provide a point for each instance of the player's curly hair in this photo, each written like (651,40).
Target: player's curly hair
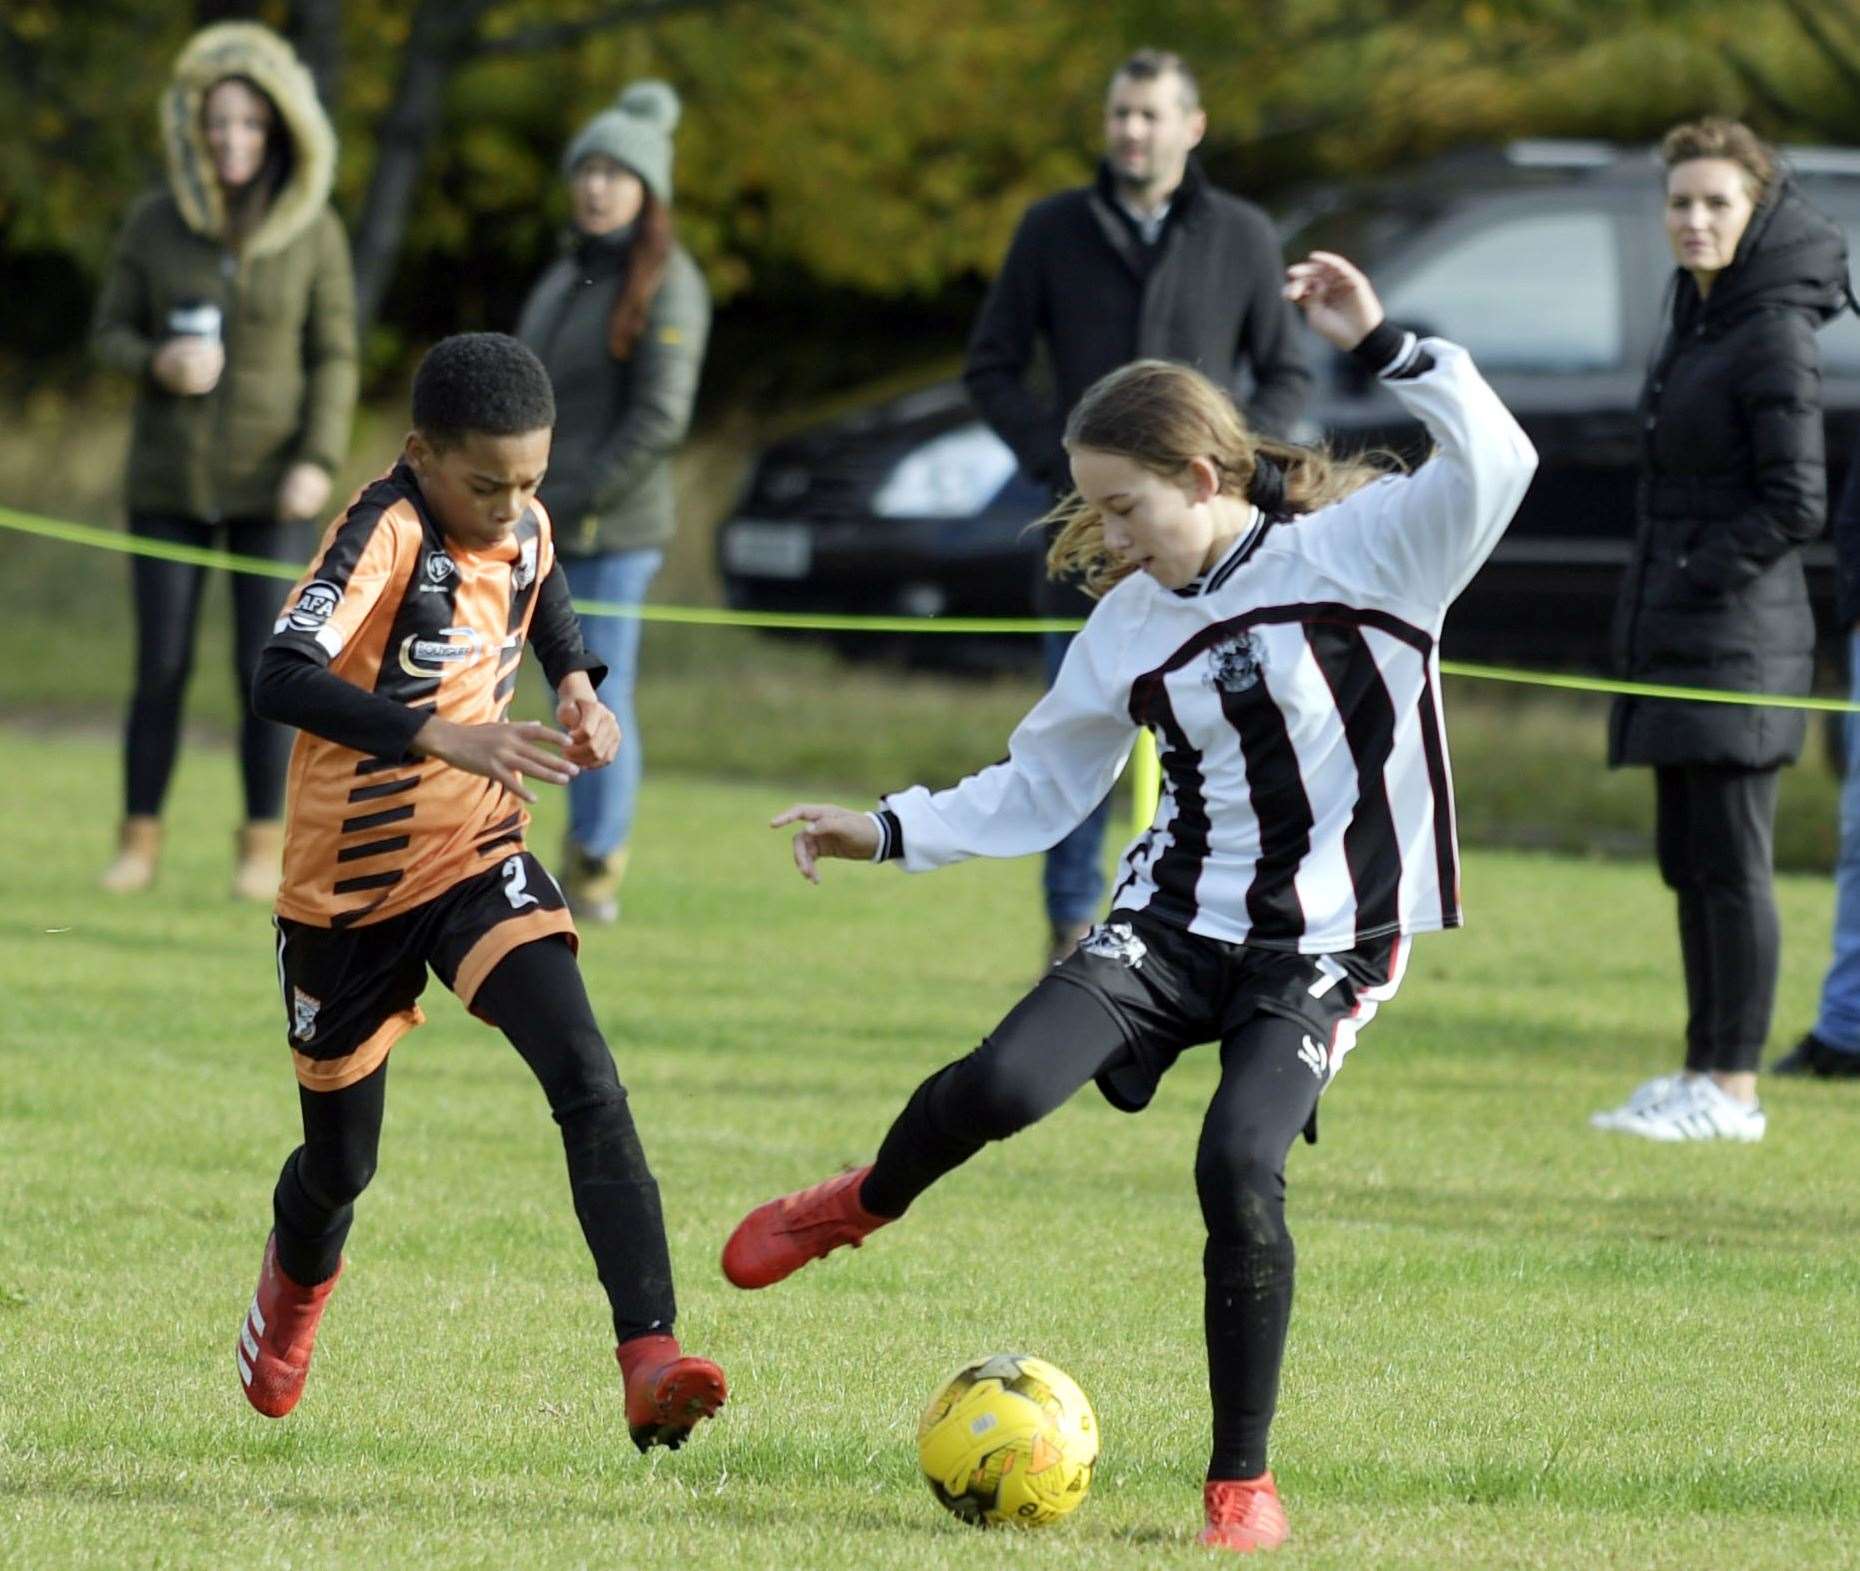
(481,382)
(1163,415)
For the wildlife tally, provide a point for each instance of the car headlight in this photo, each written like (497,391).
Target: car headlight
(950,476)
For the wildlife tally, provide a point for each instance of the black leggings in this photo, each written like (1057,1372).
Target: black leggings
(1714,833)
(535,996)
(1054,1041)
(167,608)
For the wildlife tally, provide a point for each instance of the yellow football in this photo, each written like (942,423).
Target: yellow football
(1008,1441)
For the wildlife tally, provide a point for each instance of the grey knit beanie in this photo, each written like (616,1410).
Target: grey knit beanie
(635,131)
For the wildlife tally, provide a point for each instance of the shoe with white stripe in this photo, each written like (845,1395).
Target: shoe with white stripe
(1699,1109)
(1645,1095)
(279,1335)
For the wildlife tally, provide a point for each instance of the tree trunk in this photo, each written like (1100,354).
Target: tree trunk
(438,40)
(316,31)
(444,35)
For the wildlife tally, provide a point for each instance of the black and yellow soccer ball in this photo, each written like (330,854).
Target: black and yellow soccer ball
(1008,1441)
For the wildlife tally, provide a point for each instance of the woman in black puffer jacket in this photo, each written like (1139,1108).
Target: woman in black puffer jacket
(1732,485)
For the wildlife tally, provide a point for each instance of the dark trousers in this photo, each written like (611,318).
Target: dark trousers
(1714,834)
(535,997)
(167,611)
(1050,1045)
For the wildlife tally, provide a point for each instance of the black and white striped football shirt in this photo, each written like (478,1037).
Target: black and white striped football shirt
(1294,694)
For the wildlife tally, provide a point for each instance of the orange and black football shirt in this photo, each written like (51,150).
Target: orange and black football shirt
(391,624)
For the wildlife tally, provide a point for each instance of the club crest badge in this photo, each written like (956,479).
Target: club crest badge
(1236,664)
(303,1015)
(1116,941)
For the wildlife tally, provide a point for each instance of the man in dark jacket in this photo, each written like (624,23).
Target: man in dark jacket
(1832,1050)
(1148,261)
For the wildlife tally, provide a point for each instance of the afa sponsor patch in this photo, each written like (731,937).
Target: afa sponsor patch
(316,604)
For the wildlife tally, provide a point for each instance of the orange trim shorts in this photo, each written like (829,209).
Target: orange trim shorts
(350,993)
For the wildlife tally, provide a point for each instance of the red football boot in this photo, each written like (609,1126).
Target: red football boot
(667,1393)
(279,1335)
(780,1236)
(1243,1514)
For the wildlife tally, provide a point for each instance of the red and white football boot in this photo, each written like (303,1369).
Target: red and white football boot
(279,1335)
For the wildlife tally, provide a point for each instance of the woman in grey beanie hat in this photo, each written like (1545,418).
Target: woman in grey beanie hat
(620,319)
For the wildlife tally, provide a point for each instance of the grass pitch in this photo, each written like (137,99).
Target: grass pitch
(1517,1342)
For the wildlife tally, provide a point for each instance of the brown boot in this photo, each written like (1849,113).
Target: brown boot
(260,856)
(138,846)
(591,884)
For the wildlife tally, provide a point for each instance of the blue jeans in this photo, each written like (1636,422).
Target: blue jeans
(1838,1024)
(1074,875)
(601,802)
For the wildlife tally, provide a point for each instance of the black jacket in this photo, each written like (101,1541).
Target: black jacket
(1732,485)
(1079,279)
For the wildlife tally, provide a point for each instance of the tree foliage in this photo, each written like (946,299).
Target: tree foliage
(884,147)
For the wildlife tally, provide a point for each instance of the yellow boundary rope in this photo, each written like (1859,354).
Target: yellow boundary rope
(1145,768)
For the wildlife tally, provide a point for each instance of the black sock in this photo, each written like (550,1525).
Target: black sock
(917,1150)
(1247,1310)
(536,997)
(310,1231)
(1051,1043)
(617,1202)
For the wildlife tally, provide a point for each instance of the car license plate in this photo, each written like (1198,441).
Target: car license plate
(768,550)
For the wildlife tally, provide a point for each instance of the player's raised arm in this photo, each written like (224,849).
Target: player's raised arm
(1422,536)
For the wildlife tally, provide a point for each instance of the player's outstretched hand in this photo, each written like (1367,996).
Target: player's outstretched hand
(1335,297)
(593,732)
(504,751)
(827,830)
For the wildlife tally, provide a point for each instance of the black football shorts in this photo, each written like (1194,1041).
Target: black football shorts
(350,993)
(1170,989)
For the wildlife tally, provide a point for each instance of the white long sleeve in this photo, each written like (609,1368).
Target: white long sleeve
(1416,540)
(1061,761)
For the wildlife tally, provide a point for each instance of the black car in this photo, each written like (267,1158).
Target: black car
(1545,259)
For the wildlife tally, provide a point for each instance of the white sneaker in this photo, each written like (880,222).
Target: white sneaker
(1697,1110)
(1645,1095)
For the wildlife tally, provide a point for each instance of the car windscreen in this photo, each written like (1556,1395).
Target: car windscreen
(1526,292)
(1840,339)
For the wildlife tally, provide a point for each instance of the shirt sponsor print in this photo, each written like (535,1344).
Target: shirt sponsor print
(428,654)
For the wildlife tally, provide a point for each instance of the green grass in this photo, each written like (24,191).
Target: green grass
(1517,1343)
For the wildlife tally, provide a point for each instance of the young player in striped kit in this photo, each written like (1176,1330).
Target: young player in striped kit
(1272,616)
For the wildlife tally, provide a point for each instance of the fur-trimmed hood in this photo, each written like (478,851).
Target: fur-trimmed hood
(250,50)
